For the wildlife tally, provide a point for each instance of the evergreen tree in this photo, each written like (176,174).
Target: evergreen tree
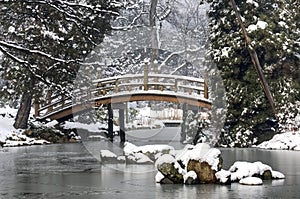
(44,43)
(273,27)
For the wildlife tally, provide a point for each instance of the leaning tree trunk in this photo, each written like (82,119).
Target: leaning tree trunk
(254,59)
(21,120)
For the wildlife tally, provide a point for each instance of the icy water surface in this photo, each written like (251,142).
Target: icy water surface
(68,171)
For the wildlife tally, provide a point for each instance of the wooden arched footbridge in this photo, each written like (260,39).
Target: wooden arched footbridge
(115,91)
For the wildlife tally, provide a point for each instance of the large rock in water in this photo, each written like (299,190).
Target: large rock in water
(240,170)
(150,151)
(194,164)
(169,170)
(203,160)
(171,173)
(203,170)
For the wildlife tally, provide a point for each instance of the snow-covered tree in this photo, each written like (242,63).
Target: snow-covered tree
(273,27)
(177,34)
(44,43)
(181,29)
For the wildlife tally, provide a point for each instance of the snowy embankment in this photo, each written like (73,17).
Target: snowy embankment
(289,140)
(38,133)
(11,136)
(6,122)
(284,141)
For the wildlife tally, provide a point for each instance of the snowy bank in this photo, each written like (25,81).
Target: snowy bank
(6,122)
(11,137)
(283,141)
(35,135)
(14,139)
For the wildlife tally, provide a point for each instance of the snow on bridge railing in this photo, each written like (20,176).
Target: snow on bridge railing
(194,87)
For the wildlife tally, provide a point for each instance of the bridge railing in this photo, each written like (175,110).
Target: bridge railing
(132,83)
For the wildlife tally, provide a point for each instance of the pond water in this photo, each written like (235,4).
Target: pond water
(69,171)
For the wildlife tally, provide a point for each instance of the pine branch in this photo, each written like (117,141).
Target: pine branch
(36,52)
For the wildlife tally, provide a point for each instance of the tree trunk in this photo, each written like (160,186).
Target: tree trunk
(21,120)
(154,35)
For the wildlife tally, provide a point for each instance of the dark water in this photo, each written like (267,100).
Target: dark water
(69,171)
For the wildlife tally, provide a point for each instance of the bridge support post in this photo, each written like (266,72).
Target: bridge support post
(183,125)
(205,87)
(36,108)
(127,114)
(146,72)
(110,123)
(122,125)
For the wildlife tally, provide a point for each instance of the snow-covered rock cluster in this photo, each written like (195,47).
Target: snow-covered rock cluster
(202,164)
(192,165)
(19,139)
(133,154)
(252,173)
(195,164)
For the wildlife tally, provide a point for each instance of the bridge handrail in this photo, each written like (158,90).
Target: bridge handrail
(166,76)
(150,82)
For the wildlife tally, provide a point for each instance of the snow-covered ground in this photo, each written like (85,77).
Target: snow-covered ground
(11,136)
(284,141)
(6,122)
(289,139)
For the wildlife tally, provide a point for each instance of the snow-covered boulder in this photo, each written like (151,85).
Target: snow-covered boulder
(203,160)
(160,178)
(277,175)
(191,177)
(223,177)
(202,153)
(107,156)
(138,158)
(251,181)
(169,170)
(240,170)
(194,164)
(203,170)
(151,151)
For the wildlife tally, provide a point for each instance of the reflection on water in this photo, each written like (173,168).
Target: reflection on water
(69,171)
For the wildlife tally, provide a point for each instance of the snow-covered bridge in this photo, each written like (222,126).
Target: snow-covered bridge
(115,91)
(127,88)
